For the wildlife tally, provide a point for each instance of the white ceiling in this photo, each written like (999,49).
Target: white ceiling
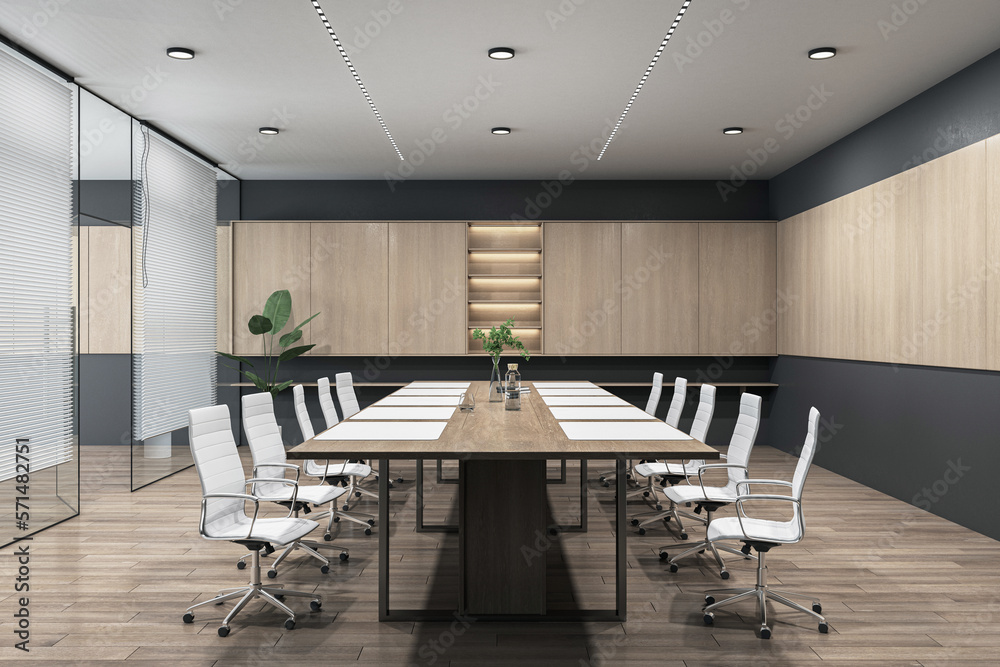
(271,62)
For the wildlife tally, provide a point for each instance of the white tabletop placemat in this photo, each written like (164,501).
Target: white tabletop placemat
(621,431)
(564,385)
(359,430)
(437,385)
(434,413)
(583,400)
(417,400)
(572,391)
(420,391)
(600,413)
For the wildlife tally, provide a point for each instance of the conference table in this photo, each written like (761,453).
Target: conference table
(502,496)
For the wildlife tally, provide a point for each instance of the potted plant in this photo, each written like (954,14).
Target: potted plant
(493,344)
(269,324)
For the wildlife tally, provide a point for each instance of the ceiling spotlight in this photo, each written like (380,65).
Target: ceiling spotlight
(501,53)
(500,130)
(268,130)
(823,53)
(180,53)
(733,130)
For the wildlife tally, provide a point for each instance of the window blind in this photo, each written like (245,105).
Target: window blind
(36,266)
(173,285)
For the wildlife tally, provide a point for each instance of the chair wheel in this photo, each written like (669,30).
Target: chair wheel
(368,531)
(817,607)
(376,478)
(357,494)
(344,556)
(709,600)
(390,483)
(602,478)
(635,522)
(673,567)
(824,628)
(241,565)
(325,569)
(642,531)
(271,574)
(371,522)
(189,617)
(345,507)
(224,630)
(607,484)
(664,555)
(645,494)
(684,536)
(702,551)
(724,574)
(315,605)
(290,624)
(709,618)
(336,519)
(399,479)
(279,597)
(327,537)
(765,632)
(659,507)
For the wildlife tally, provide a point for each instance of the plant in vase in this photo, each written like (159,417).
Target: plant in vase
(269,324)
(494,343)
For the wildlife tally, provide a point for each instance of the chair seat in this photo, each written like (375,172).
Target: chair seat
(276,531)
(762,530)
(684,493)
(315,494)
(659,468)
(316,469)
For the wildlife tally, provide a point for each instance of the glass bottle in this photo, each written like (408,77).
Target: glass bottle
(512,385)
(496,382)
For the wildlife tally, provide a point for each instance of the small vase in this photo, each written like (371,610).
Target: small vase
(496,383)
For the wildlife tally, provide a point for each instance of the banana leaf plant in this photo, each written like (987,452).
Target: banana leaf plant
(269,324)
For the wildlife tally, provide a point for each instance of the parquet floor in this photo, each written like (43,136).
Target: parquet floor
(899,587)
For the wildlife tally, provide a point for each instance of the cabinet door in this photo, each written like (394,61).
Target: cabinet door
(582,300)
(427,288)
(349,287)
(659,287)
(736,306)
(269,256)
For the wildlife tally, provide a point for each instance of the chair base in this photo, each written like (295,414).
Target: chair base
(311,548)
(696,547)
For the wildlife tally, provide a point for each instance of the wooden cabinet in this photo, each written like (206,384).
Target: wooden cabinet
(107,312)
(426,288)
(737,314)
(993,253)
(224,288)
(349,282)
(582,300)
(659,287)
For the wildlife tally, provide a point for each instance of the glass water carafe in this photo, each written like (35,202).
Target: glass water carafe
(512,388)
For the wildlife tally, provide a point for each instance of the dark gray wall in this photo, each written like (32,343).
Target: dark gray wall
(105,399)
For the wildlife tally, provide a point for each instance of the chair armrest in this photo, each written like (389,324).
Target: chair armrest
(741,513)
(277,480)
(234,496)
(714,466)
(772,482)
(287,466)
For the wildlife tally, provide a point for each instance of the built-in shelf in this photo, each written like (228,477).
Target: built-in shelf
(520,325)
(505,250)
(505,275)
(499,301)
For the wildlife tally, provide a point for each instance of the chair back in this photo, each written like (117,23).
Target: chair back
(677,402)
(743,438)
(265,440)
(326,403)
(345,392)
(219,467)
(703,416)
(302,413)
(654,394)
(806,455)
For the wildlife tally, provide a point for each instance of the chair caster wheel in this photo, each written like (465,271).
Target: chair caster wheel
(271,574)
(687,504)
(824,628)
(357,494)
(315,605)
(279,597)
(664,555)
(327,537)
(336,519)
(390,484)
(642,531)
(709,600)
(602,478)
(659,508)
(673,567)
(645,494)
(399,479)
(189,617)
(709,618)
(684,536)
(765,632)
(376,478)
(635,522)
(344,556)
(702,551)
(325,569)
(290,624)
(368,531)
(241,565)
(724,574)
(818,608)
(345,507)
(607,484)
(224,630)
(371,522)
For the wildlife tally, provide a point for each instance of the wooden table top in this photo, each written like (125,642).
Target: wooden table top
(491,432)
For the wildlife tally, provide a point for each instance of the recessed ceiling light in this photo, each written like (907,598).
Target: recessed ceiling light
(500,130)
(180,53)
(733,130)
(501,53)
(268,130)
(823,53)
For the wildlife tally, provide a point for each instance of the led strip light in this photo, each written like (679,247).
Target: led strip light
(645,75)
(354,73)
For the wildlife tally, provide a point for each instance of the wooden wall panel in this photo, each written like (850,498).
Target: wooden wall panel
(109,294)
(660,288)
(350,287)
(82,240)
(269,256)
(582,302)
(737,264)
(427,288)
(993,253)
(224,288)
(797,284)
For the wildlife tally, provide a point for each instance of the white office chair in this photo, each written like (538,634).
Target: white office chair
(224,517)
(673,473)
(762,535)
(711,498)
(348,471)
(349,403)
(330,415)
(654,394)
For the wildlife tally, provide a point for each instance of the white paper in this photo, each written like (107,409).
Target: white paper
(420,391)
(599,413)
(621,431)
(417,400)
(558,391)
(437,385)
(584,400)
(565,385)
(376,412)
(360,430)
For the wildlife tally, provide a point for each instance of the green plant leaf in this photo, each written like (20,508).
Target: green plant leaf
(290,337)
(280,387)
(259,324)
(235,358)
(278,309)
(305,322)
(257,382)
(293,352)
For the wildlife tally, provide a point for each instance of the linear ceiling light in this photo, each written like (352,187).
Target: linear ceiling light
(645,75)
(354,73)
